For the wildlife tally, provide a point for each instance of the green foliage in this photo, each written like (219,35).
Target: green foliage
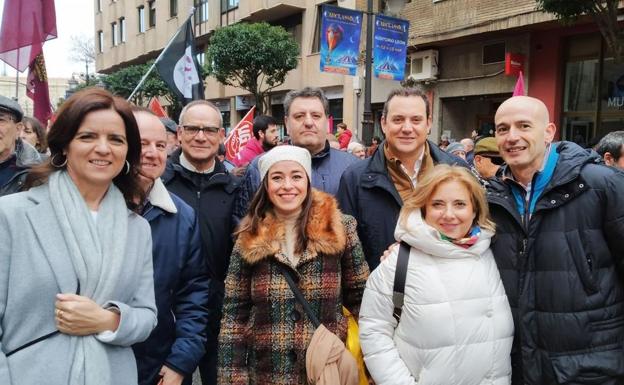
(565,9)
(123,82)
(256,57)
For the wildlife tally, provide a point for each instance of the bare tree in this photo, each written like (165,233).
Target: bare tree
(82,51)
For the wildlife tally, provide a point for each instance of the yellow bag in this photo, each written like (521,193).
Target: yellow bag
(353,344)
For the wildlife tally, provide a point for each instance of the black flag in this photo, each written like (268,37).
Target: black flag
(178,66)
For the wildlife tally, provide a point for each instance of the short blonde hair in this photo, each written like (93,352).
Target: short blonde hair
(444,173)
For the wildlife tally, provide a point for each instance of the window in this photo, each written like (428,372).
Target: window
(227,5)
(99,5)
(201,57)
(114,34)
(141,11)
(152,13)
(593,93)
(292,24)
(122,29)
(201,11)
(173,8)
(100,41)
(494,53)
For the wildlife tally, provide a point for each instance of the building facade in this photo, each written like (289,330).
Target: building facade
(134,31)
(566,66)
(456,51)
(57,88)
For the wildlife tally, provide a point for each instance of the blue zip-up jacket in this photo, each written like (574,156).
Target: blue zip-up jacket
(180,287)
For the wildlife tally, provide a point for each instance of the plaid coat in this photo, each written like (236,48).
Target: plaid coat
(264,330)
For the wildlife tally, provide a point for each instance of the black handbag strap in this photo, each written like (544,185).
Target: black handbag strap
(299,295)
(398,291)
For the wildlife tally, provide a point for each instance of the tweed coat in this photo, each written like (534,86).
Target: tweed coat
(264,330)
(34,267)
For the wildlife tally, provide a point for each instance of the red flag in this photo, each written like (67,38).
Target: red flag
(37,89)
(519,88)
(157,108)
(238,137)
(26,24)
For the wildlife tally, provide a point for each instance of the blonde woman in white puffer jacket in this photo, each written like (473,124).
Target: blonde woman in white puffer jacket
(456,326)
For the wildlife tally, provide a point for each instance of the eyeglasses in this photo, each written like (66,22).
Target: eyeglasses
(194,130)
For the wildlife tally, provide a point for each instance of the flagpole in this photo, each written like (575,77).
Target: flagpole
(159,56)
(19,49)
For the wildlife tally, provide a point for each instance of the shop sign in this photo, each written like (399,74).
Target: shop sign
(514,64)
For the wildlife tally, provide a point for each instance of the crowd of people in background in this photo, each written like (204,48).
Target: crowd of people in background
(133,252)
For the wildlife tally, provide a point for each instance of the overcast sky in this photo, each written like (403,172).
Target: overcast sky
(73,17)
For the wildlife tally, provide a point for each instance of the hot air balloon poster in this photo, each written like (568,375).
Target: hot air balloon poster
(390,47)
(340,39)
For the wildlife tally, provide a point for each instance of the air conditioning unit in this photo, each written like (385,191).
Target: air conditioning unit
(424,65)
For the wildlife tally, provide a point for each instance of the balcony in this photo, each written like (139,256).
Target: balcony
(268,10)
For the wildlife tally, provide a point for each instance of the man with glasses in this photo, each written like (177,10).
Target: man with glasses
(195,174)
(16,155)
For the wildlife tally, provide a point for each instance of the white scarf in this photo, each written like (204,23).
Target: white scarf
(97,253)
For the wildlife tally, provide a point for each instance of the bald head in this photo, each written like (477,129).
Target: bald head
(523,132)
(527,105)
(153,147)
(148,121)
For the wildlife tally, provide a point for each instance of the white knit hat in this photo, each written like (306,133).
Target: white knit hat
(280,153)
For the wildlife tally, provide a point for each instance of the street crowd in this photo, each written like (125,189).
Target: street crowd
(132,252)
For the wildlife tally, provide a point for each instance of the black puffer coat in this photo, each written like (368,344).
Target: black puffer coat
(562,273)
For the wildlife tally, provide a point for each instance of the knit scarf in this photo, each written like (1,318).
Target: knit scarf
(97,255)
(465,242)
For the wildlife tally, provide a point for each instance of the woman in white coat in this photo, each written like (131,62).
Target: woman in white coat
(456,326)
(76,279)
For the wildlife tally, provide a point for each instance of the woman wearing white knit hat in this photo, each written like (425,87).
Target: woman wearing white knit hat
(290,229)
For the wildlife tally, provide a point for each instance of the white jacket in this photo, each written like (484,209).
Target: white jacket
(456,327)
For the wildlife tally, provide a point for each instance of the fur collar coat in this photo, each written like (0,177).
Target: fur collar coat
(264,330)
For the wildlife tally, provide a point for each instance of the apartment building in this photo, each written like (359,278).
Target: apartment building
(457,51)
(134,31)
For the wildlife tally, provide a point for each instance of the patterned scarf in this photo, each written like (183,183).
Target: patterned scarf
(465,242)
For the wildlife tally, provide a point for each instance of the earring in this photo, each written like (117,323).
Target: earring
(127,167)
(59,165)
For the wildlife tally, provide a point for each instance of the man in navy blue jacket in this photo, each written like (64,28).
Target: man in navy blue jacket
(373,190)
(181,283)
